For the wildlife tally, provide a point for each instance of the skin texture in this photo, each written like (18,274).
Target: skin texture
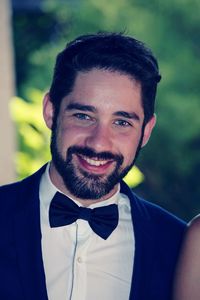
(187,281)
(103,113)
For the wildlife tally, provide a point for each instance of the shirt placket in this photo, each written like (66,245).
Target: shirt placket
(79,267)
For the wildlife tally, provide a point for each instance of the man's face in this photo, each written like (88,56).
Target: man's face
(97,133)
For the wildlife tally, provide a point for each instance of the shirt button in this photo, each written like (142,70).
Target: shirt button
(80,260)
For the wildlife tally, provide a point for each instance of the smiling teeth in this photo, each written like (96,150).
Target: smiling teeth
(96,163)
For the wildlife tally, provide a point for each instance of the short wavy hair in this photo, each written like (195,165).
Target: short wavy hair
(106,51)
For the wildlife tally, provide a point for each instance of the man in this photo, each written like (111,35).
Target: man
(107,243)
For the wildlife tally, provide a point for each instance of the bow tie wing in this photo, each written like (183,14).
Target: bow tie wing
(63,211)
(104,220)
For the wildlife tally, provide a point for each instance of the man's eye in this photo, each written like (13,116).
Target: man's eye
(122,123)
(82,116)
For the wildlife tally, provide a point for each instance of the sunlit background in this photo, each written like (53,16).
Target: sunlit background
(32,33)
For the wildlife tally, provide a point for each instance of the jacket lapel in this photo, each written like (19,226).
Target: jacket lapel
(28,239)
(144,246)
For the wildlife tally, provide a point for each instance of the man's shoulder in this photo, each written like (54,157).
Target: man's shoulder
(157,213)
(151,213)
(157,225)
(18,188)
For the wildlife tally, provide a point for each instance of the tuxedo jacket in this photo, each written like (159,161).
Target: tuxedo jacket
(158,237)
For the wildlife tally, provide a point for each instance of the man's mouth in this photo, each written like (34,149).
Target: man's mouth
(94,163)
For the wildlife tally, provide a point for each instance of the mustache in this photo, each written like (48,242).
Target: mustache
(91,153)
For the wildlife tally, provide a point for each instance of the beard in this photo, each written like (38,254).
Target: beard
(81,183)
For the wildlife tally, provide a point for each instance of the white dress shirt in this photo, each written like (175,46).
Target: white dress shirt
(80,265)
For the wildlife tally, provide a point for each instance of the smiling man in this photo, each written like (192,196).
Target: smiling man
(74,230)
(98,131)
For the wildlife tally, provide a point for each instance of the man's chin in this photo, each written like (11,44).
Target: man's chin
(92,176)
(91,186)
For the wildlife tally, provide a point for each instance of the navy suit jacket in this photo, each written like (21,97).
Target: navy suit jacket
(158,237)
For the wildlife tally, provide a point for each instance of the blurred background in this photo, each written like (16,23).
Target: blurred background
(33,32)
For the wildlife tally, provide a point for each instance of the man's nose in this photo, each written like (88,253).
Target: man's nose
(100,139)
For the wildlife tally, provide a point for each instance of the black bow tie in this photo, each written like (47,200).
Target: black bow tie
(63,211)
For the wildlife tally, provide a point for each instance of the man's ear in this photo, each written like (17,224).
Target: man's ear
(148,129)
(48,111)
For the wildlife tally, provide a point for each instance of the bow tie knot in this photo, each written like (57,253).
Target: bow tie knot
(85,213)
(63,211)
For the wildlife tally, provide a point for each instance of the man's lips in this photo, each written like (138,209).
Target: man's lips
(94,163)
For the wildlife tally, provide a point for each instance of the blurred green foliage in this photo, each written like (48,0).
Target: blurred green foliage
(33,135)
(171,161)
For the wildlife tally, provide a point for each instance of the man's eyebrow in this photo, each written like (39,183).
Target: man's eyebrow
(90,108)
(127,115)
(78,106)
